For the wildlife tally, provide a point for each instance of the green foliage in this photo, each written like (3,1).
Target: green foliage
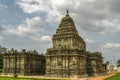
(118,63)
(0,70)
(2,51)
(23,78)
(13,79)
(116,77)
(1,61)
(107,62)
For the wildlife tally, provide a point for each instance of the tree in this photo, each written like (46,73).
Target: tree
(107,62)
(118,63)
(2,51)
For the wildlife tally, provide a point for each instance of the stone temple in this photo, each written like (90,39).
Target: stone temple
(69,57)
(25,63)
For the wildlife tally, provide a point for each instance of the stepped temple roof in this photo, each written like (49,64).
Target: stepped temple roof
(67,35)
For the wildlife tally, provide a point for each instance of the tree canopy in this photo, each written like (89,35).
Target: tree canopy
(2,51)
(118,63)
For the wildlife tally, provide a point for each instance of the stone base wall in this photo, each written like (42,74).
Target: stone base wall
(21,74)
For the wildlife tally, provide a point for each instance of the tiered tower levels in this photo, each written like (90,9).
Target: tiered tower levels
(67,35)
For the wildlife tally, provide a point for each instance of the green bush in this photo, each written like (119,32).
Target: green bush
(1,70)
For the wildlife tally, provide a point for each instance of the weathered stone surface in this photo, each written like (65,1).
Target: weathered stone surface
(95,64)
(67,35)
(23,63)
(69,57)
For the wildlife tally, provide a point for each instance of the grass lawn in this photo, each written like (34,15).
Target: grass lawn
(11,78)
(116,77)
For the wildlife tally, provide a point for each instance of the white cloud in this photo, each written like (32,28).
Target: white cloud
(89,41)
(2,6)
(53,18)
(29,26)
(46,38)
(43,38)
(31,6)
(111,45)
(1,39)
(32,27)
(109,25)
(93,15)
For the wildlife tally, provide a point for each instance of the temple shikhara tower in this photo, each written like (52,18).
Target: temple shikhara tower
(68,57)
(67,36)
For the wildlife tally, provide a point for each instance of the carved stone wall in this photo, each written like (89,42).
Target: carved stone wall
(95,64)
(67,58)
(65,63)
(23,63)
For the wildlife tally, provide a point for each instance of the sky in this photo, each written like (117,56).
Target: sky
(30,24)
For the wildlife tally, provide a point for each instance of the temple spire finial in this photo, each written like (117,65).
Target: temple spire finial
(67,13)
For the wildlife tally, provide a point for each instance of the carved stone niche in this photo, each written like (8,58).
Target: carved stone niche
(48,63)
(72,62)
(59,63)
